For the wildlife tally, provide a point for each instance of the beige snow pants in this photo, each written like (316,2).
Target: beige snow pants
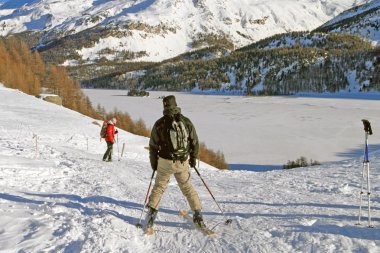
(181,172)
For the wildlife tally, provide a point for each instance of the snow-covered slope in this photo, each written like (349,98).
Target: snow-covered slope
(166,28)
(362,20)
(66,200)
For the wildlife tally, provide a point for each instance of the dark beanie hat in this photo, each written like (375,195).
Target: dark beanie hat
(169,101)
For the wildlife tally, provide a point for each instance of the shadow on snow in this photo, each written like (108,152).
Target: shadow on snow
(360,232)
(78,203)
(358,152)
(343,95)
(321,205)
(255,167)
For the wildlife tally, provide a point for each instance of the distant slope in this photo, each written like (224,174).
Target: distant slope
(363,20)
(282,64)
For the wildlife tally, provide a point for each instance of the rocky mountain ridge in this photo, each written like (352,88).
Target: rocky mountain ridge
(154,30)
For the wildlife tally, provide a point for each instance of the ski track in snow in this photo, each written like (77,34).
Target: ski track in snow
(67,200)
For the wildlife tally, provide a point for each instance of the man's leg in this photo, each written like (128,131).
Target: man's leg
(182,176)
(110,151)
(164,172)
(106,154)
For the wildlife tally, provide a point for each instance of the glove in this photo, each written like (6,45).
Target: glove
(153,163)
(192,162)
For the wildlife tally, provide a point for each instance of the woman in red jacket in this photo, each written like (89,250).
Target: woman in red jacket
(110,139)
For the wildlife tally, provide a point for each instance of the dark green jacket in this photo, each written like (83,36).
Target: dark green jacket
(159,144)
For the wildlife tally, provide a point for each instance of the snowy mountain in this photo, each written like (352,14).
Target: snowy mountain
(58,196)
(363,20)
(280,65)
(153,30)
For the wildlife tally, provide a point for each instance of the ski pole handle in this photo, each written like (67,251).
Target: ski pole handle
(367,126)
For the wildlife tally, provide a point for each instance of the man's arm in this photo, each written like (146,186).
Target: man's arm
(153,148)
(194,144)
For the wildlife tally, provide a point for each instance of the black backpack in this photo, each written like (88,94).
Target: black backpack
(178,138)
(103,130)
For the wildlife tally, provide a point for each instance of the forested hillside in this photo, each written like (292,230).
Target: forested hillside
(21,69)
(329,58)
(282,64)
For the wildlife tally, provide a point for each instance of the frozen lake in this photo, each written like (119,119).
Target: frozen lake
(263,132)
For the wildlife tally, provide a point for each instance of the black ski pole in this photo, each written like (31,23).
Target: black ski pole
(228,221)
(146,200)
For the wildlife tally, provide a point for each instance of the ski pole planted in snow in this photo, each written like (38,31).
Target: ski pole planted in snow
(146,200)
(118,153)
(228,221)
(365,171)
(36,136)
(122,151)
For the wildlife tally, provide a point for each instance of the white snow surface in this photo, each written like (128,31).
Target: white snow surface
(264,132)
(171,24)
(62,198)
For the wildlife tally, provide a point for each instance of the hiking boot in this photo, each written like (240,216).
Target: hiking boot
(198,219)
(152,213)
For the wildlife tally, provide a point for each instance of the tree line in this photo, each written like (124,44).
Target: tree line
(22,69)
(283,64)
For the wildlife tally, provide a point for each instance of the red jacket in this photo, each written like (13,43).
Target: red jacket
(111,131)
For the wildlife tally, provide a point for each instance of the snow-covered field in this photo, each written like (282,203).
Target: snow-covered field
(62,198)
(259,133)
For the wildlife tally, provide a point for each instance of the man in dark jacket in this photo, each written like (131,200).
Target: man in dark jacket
(169,156)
